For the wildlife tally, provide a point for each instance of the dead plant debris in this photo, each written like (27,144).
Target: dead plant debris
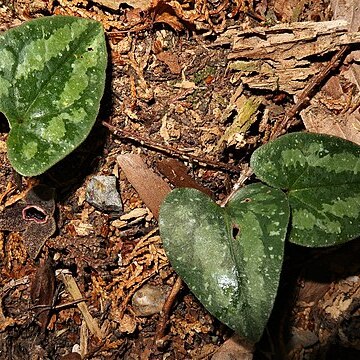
(193,88)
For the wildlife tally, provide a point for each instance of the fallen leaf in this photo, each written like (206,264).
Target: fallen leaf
(136,4)
(318,117)
(171,60)
(34,215)
(42,292)
(151,187)
(177,173)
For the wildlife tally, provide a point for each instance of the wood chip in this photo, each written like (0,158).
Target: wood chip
(134,214)
(74,291)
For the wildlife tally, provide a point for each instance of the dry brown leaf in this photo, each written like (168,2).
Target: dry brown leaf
(111,4)
(177,174)
(319,117)
(171,60)
(234,348)
(42,291)
(288,10)
(137,4)
(151,187)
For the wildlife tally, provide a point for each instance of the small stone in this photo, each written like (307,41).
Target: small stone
(101,192)
(149,300)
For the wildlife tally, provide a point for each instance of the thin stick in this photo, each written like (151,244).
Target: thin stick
(160,337)
(308,91)
(171,151)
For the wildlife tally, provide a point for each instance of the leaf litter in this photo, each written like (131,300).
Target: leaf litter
(175,67)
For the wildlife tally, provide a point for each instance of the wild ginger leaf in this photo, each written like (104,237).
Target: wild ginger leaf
(229,257)
(52,78)
(321,175)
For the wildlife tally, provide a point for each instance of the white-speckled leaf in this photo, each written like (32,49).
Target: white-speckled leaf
(321,175)
(229,257)
(52,77)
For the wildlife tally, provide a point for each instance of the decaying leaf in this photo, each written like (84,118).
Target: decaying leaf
(177,173)
(34,215)
(42,292)
(343,121)
(151,187)
(319,119)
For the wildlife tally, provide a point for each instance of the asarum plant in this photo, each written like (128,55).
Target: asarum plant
(231,257)
(52,78)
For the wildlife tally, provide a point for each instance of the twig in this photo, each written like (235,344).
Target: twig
(308,92)
(57,307)
(160,337)
(171,151)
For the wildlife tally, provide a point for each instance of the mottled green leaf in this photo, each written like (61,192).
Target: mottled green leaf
(52,77)
(321,175)
(229,257)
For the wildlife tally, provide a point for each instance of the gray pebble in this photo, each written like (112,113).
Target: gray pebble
(101,192)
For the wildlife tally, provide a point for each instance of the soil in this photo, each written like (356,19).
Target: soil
(169,85)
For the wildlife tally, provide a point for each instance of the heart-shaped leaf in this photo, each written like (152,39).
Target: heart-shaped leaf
(229,257)
(321,175)
(52,77)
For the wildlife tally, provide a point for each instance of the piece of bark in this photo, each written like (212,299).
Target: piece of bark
(283,57)
(297,40)
(176,173)
(151,187)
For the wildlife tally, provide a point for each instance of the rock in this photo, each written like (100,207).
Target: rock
(149,300)
(101,192)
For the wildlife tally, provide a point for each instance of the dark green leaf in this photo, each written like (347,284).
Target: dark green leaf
(52,76)
(321,175)
(229,257)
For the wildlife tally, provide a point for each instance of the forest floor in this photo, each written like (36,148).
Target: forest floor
(179,77)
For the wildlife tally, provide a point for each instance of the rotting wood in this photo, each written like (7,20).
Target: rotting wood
(285,56)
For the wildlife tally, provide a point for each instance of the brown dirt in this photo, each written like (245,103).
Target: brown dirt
(167,84)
